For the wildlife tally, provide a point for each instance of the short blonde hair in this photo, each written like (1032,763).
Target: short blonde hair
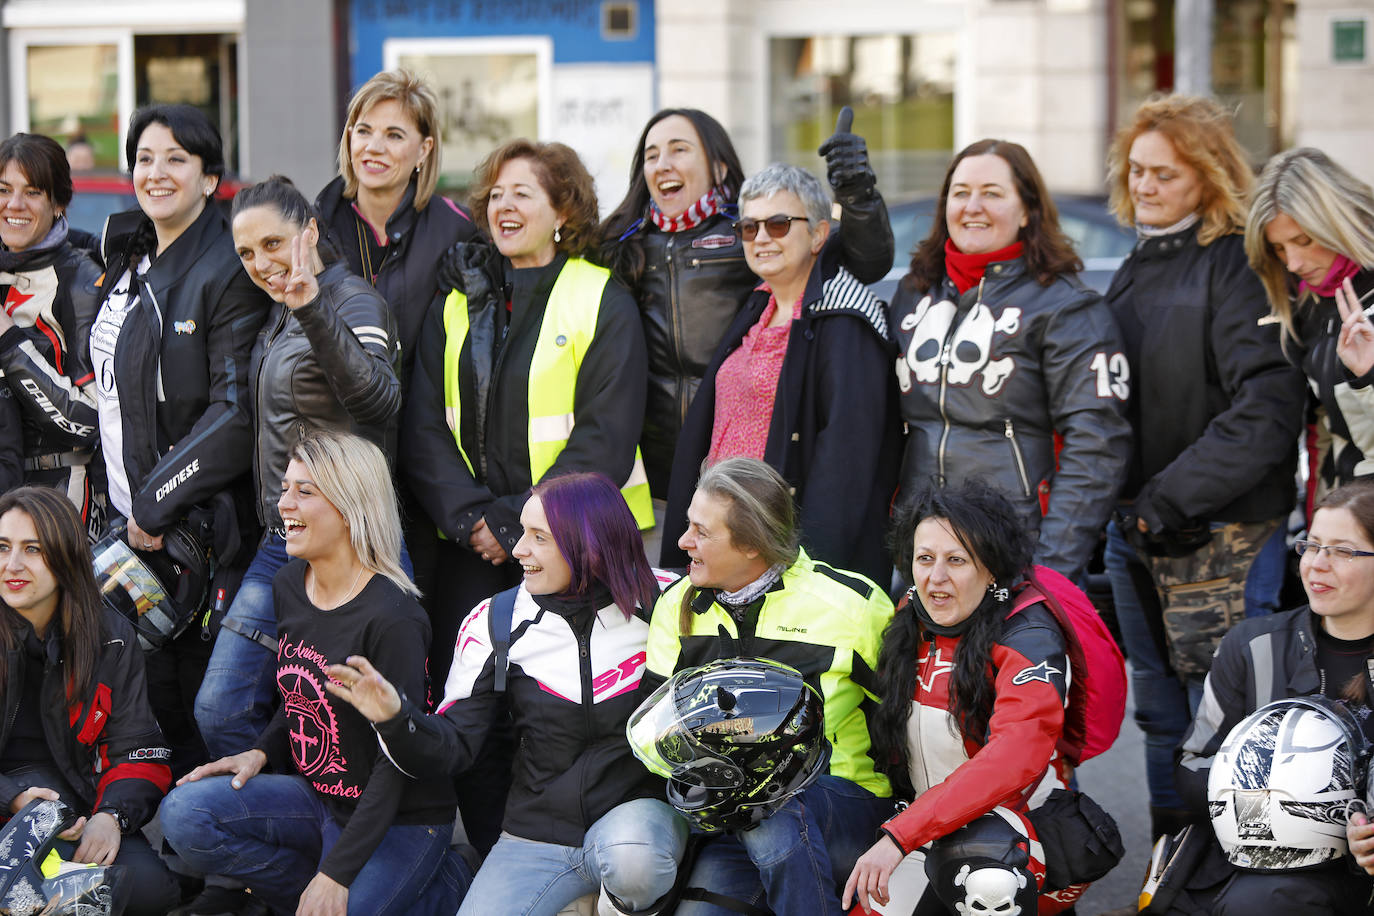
(1332,206)
(1202,134)
(352,474)
(418,101)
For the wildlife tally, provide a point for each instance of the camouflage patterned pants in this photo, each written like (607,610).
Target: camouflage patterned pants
(1203,594)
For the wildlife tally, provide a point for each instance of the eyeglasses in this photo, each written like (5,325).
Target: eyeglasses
(1332,550)
(777,225)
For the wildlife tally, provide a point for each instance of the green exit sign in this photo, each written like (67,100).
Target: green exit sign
(1347,41)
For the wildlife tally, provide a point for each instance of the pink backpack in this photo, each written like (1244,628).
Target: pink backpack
(1097,686)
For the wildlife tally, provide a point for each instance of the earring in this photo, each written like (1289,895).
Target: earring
(1001,594)
(911,594)
(557,237)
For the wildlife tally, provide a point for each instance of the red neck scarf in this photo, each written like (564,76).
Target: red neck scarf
(967,269)
(1341,268)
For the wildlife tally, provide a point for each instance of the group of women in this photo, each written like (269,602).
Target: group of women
(532,378)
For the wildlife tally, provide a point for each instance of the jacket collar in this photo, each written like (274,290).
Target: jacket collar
(1165,246)
(398,224)
(182,254)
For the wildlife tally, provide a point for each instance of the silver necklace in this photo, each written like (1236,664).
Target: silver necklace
(345,597)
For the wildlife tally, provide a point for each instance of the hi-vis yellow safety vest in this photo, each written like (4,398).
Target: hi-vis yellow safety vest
(564,337)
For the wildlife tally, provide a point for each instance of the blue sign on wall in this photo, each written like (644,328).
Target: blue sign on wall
(576,27)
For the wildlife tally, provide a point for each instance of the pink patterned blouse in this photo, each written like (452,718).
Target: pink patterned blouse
(746,387)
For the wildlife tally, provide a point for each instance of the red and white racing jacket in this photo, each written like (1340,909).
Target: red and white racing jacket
(1016,767)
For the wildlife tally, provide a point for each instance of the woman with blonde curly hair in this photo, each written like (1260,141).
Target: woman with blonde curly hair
(533,366)
(1216,411)
(1310,237)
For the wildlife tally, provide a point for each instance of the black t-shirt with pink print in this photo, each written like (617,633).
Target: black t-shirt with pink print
(325,739)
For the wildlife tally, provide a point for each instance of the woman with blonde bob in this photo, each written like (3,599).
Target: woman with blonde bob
(363,837)
(1310,237)
(382,215)
(1216,411)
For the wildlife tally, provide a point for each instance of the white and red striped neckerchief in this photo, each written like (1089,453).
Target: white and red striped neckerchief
(705,208)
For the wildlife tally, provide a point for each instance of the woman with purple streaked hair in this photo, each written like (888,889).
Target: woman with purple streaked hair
(581,812)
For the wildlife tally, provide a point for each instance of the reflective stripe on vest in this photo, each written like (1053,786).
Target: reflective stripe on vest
(564,337)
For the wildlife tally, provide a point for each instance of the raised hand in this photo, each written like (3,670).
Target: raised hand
(1355,346)
(363,687)
(301,285)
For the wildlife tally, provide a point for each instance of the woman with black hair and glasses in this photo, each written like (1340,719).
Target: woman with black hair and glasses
(1322,649)
(801,381)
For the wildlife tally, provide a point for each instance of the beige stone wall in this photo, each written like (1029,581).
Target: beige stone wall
(1030,70)
(1333,104)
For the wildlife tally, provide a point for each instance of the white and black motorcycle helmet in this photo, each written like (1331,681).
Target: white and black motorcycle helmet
(160,591)
(1282,783)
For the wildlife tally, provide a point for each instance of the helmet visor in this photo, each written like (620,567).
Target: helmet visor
(662,741)
(126,583)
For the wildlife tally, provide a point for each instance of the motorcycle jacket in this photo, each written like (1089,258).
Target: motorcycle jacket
(825,622)
(181,361)
(574,674)
(693,284)
(330,364)
(1215,406)
(408,276)
(956,779)
(1347,401)
(990,377)
(106,743)
(52,294)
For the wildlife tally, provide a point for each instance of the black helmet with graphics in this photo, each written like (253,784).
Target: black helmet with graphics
(159,591)
(736,738)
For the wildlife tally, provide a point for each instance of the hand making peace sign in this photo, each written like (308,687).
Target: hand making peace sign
(1355,346)
(301,285)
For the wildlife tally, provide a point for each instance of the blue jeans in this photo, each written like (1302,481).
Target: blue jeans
(1164,706)
(796,861)
(239,693)
(273,833)
(633,850)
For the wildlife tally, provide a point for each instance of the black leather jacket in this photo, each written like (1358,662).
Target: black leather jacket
(1215,406)
(330,364)
(106,744)
(45,357)
(181,363)
(693,284)
(986,384)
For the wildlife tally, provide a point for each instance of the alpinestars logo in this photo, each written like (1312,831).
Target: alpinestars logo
(1040,672)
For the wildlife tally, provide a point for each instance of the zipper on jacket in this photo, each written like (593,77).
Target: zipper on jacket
(584,662)
(675,329)
(261,443)
(1010,433)
(944,384)
(697,262)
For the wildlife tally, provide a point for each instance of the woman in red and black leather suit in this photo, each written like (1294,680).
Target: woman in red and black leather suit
(971,729)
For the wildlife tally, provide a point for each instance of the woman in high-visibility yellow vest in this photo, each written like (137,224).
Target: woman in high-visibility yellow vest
(530,365)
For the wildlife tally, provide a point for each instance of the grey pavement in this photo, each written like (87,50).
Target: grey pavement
(1116,781)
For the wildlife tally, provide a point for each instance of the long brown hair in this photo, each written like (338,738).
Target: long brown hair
(1203,136)
(1048,251)
(67,553)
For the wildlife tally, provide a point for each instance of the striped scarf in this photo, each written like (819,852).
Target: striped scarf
(695,215)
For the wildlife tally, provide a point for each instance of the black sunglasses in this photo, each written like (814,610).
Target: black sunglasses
(777,225)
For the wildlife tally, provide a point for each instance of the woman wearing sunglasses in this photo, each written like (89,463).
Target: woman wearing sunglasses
(800,381)
(1005,355)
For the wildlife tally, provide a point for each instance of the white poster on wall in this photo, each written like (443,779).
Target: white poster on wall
(599,110)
